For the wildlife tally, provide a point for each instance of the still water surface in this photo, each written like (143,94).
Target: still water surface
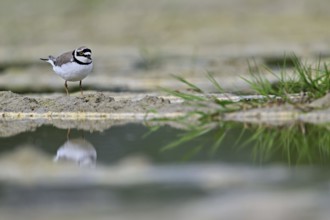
(233,172)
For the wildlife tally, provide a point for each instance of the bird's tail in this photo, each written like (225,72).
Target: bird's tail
(50,60)
(50,57)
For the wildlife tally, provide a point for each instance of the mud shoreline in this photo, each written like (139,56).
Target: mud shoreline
(97,111)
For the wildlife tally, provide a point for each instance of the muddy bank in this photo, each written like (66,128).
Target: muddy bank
(94,111)
(96,102)
(98,111)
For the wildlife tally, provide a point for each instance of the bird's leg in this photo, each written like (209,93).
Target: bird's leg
(81,90)
(68,134)
(66,87)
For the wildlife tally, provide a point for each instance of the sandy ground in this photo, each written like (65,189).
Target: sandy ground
(97,111)
(94,111)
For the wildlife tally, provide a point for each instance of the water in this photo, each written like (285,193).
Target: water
(128,172)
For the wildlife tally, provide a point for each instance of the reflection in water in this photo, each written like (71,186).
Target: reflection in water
(77,150)
(297,143)
(229,142)
(294,144)
(214,184)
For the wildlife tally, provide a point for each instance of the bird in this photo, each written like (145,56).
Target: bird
(72,65)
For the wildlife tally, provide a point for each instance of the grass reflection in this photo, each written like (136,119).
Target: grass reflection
(297,143)
(294,144)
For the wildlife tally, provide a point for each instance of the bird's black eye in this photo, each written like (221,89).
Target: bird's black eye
(80,53)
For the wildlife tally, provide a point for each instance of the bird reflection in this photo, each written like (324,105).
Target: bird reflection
(77,150)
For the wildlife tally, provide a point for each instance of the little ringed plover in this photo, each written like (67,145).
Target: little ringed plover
(72,66)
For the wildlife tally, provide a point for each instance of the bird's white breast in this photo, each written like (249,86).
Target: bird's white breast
(73,71)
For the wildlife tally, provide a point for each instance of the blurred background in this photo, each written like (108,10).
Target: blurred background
(138,44)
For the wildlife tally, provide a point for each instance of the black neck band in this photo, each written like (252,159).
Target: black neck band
(78,61)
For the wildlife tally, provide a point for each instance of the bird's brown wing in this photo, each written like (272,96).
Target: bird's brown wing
(64,58)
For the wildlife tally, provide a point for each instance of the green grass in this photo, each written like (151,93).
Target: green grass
(312,80)
(305,81)
(199,97)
